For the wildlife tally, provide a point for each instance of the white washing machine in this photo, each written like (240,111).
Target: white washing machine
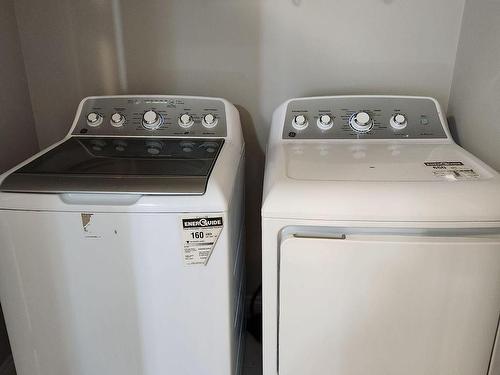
(381,242)
(122,246)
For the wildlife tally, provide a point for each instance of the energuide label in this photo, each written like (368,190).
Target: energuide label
(200,235)
(452,170)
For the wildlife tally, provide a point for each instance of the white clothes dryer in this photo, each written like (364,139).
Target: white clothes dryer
(381,242)
(122,246)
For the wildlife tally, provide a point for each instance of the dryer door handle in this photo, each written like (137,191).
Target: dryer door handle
(320,235)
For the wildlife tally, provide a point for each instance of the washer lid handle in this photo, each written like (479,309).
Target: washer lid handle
(100,199)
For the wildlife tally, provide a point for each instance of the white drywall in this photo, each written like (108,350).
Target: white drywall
(475,94)
(17,126)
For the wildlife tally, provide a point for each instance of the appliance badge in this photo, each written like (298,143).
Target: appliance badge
(200,235)
(452,170)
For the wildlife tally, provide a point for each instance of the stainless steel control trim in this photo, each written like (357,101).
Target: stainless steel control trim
(423,120)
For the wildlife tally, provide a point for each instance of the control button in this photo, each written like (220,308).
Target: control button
(424,121)
(361,122)
(325,122)
(151,120)
(300,122)
(94,119)
(209,120)
(185,120)
(117,119)
(398,121)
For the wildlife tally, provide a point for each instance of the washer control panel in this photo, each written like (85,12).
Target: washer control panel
(362,117)
(152,116)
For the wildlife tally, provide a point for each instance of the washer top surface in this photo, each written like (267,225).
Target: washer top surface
(154,153)
(124,165)
(333,169)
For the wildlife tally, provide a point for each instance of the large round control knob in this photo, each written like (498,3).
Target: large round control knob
(325,122)
(361,122)
(151,120)
(185,120)
(399,121)
(300,122)
(94,119)
(209,120)
(117,120)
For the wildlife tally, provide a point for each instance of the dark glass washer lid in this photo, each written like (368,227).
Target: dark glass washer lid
(119,165)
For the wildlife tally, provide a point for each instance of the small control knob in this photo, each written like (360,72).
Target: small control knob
(399,121)
(151,120)
(209,120)
(117,120)
(185,120)
(300,122)
(325,122)
(361,122)
(94,119)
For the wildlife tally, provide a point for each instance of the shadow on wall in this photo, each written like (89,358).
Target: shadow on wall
(452,125)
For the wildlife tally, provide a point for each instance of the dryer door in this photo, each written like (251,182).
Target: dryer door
(388,305)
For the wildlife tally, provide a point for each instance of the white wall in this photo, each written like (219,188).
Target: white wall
(17,132)
(17,128)
(256,53)
(475,94)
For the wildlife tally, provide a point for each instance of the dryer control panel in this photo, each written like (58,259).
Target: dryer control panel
(363,117)
(152,116)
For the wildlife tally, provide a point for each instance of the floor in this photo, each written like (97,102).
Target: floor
(7,368)
(252,364)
